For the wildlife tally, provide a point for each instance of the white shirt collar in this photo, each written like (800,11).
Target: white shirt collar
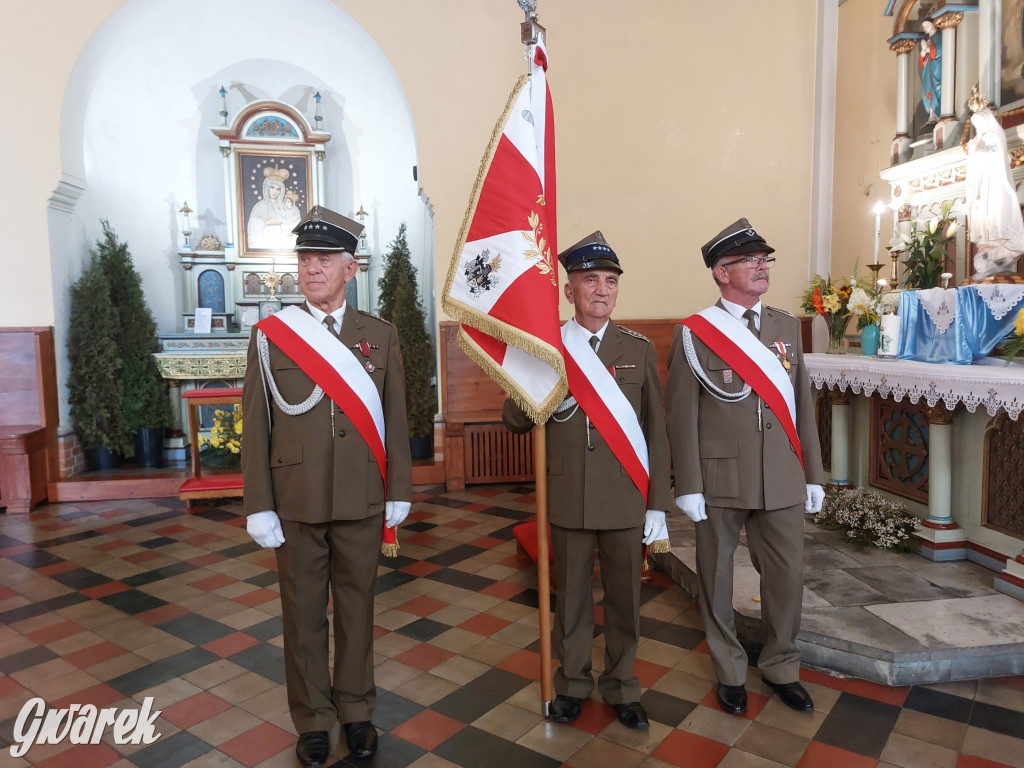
(599,334)
(319,314)
(737,311)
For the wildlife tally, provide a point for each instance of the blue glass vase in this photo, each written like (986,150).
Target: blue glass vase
(869,340)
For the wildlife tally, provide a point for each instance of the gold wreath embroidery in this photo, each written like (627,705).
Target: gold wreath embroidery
(540,250)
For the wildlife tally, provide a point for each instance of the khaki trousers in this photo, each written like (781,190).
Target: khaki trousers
(341,556)
(775,539)
(573,637)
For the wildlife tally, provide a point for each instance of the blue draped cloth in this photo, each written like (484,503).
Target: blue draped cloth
(971,337)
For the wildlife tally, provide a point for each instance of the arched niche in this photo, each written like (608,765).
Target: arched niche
(136,140)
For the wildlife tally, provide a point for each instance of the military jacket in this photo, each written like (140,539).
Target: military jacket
(590,488)
(736,453)
(307,467)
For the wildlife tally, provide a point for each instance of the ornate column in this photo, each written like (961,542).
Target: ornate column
(900,149)
(940,538)
(946,134)
(841,411)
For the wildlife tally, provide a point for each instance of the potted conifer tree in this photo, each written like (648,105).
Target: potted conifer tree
(145,407)
(400,304)
(94,386)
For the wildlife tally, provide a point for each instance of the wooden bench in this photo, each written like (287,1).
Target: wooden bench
(28,417)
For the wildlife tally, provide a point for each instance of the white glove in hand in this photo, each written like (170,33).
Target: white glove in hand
(693,506)
(395,512)
(265,529)
(654,526)
(815,495)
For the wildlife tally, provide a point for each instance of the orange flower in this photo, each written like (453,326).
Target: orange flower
(816,301)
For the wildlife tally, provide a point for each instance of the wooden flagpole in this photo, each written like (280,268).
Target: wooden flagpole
(540,472)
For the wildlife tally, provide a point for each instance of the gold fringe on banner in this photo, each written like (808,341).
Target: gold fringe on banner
(481,321)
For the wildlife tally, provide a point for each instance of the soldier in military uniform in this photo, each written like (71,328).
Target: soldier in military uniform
(315,481)
(591,498)
(746,455)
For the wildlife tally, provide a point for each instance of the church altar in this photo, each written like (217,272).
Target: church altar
(946,439)
(957,325)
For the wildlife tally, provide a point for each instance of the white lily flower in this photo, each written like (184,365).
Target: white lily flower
(951,229)
(933,224)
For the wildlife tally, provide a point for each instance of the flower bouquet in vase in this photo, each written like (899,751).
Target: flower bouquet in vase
(223,448)
(830,299)
(863,305)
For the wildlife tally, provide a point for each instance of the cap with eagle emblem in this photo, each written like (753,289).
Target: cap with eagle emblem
(592,252)
(735,240)
(324,230)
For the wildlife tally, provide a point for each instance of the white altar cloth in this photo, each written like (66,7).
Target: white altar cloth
(990,382)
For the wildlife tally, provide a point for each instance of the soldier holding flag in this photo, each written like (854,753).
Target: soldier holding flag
(607,480)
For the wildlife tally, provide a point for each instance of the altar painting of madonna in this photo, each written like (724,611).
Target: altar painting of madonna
(273,195)
(1012,72)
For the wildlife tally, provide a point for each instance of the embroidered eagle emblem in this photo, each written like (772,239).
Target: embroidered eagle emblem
(480,272)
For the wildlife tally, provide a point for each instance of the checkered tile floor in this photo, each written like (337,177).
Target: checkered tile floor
(108,603)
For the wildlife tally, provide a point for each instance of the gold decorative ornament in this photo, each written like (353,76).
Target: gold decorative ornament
(949,20)
(903,46)
(272,280)
(273,172)
(210,242)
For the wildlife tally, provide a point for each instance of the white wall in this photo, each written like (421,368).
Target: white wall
(135,132)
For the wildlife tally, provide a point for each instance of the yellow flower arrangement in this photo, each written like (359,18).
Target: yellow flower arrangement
(831,299)
(1016,343)
(224,445)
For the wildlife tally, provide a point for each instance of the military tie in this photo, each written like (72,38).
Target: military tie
(751,316)
(594,341)
(331,324)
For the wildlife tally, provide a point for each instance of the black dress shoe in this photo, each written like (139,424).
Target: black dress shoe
(312,749)
(632,715)
(361,738)
(565,709)
(732,698)
(793,695)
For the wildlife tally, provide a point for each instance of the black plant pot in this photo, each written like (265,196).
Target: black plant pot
(149,447)
(100,459)
(422,448)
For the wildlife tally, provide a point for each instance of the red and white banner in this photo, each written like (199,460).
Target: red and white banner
(605,405)
(502,283)
(335,369)
(732,341)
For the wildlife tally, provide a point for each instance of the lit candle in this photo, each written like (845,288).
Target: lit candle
(879,207)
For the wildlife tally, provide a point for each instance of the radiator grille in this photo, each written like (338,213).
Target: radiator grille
(495,455)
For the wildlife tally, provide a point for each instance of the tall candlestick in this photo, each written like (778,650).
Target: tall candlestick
(879,207)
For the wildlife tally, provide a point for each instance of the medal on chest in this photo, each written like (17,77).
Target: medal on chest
(364,348)
(779,348)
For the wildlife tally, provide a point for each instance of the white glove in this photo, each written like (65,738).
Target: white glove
(654,526)
(265,529)
(693,506)
(815,495)
(395,512)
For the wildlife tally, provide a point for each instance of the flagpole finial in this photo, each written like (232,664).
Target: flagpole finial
(529,30)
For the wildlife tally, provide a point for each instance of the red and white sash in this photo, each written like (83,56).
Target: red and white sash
(335,369)
(605,405)
(732,341)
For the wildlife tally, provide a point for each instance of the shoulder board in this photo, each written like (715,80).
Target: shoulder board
(632,333)
(372,316)
(781,311)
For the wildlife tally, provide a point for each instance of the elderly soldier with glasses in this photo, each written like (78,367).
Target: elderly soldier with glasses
(746,455)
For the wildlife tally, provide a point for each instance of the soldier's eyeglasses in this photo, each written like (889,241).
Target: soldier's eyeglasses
(752,261)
